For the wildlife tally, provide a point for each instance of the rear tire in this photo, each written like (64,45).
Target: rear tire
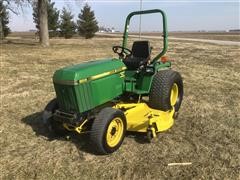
(166,91)
(108,130)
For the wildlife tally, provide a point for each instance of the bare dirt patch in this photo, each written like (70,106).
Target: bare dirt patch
(205,134)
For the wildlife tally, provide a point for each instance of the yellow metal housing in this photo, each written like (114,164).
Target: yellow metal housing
(78,129)
(140,117)
(174,94)
(114,132)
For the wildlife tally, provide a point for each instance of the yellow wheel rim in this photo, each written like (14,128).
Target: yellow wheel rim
(114,132)
(174,94)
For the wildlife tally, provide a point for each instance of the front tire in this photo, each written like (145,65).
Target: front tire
(47,117)
(166,91)
(108,130)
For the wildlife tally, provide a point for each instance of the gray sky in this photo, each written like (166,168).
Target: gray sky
(182,14)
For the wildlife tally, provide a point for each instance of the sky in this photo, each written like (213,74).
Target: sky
(183,15)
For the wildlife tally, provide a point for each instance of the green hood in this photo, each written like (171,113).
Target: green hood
(90,70)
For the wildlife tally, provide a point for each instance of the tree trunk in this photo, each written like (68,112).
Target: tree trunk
(1,28)
(43,18)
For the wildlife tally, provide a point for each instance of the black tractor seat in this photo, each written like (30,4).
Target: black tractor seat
(141,53)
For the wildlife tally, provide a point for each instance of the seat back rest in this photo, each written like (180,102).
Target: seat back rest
(141,49)
(141,52)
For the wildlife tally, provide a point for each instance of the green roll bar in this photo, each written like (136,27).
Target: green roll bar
(165,33)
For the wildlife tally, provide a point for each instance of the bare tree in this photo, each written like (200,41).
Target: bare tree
(14,5)
(1,26)
(43,22)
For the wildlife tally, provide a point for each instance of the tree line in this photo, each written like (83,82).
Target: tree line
(57,23)
(62,24)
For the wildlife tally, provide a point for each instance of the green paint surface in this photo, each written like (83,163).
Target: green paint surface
(85,86)
(81,97)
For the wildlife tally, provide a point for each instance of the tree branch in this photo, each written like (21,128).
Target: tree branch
(12,10)
(19,3)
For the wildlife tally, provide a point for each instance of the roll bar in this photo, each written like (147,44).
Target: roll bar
(165,33)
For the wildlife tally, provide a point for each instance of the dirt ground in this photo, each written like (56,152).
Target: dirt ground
(206,132)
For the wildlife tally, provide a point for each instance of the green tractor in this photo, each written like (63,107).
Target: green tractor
(108,97)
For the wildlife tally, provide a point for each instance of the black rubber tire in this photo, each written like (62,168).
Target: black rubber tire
(99,130)
(52,105)
(52,125)
(159,96)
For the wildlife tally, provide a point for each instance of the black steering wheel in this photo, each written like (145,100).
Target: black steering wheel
(121,51)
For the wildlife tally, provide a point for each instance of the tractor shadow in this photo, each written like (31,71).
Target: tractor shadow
(140,138)
(80,141)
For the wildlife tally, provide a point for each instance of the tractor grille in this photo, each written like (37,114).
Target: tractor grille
(74,98)
(66,96)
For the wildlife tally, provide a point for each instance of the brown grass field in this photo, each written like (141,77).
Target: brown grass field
(223,36)
(206,132)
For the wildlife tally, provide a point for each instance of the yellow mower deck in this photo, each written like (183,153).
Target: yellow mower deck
(140,118)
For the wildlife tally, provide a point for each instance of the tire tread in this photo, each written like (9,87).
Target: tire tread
(161,87)
(99,127)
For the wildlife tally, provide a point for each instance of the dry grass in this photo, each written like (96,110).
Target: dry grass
(205,134)
(229,36)
(222,36)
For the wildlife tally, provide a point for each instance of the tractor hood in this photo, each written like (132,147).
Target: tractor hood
(86,71)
